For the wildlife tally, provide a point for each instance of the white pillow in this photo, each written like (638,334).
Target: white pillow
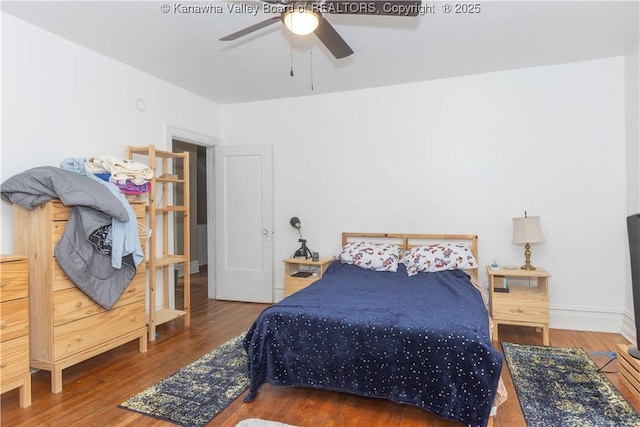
(438,257)
(371,256)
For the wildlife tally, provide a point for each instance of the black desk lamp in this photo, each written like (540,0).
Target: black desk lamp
(303,251)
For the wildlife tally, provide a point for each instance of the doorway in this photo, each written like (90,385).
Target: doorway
(201,150)
(197,204)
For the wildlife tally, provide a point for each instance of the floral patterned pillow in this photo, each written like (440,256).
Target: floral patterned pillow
(438,257)
(371,256)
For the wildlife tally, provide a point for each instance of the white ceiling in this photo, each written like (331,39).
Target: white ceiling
(183,48)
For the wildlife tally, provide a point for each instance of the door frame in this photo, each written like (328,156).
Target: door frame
(209,142)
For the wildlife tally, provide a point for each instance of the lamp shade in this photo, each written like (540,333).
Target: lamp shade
(301,22)
(295,222)
(527,229)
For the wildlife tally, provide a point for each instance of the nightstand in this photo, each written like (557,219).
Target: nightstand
(300,273)
(526,303)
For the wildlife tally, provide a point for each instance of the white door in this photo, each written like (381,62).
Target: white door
(244,217)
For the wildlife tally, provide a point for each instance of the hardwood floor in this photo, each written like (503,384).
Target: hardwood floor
(93,389)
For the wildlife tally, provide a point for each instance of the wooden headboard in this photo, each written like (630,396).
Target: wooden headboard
(407,241)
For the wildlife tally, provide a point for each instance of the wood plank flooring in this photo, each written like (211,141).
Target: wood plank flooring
(93,389)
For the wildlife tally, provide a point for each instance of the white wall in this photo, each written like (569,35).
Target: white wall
(632,109)
(62,100)
(463,155)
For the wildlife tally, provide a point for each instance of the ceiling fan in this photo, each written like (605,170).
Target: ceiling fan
(306,16)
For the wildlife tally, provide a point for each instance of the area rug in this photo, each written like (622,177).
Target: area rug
(563,387)
(195,394)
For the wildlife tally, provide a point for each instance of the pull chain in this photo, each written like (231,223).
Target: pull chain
(311,62)
(291,52)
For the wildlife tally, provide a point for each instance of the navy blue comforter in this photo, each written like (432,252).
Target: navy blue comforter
(421,340)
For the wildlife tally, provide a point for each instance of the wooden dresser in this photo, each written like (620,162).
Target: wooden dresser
(14,327)
(66,326)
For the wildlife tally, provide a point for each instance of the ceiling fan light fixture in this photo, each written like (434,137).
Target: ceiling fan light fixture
(301,21)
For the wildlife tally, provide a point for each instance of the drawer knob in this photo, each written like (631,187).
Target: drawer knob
(133,318)
(520,310)
(2,284)
(79,338)
(3,364)
(3,323)
(79,304)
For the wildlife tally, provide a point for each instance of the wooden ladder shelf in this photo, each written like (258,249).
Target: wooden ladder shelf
(170,179)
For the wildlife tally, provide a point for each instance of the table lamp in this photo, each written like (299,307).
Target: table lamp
(526,230)
(303,251)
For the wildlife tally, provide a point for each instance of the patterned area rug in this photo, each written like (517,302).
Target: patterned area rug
(196,393)
(563,387)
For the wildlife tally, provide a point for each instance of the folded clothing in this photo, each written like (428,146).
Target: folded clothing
(129,187)
(120,169)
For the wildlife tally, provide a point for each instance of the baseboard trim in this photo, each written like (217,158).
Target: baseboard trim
(194,267)
(586,318)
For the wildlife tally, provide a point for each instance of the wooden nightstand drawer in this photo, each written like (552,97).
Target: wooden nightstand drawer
(294,284)
(524,308)
(14,319)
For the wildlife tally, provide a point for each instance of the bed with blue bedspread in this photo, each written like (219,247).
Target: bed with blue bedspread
(421,339)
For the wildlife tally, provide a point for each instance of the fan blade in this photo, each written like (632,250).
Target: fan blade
(251,29)
(391,7)
(332,40)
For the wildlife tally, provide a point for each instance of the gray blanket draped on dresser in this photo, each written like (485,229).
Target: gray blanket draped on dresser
(94,207)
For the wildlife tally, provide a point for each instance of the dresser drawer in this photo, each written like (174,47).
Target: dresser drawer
(61,281)
(59,225)
(73,337)
(524,308)
(59,228)
(14,357)
(13,280)
(14,319)
(72,304)
(60,212)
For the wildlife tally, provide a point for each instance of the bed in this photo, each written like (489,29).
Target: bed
(387,323)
